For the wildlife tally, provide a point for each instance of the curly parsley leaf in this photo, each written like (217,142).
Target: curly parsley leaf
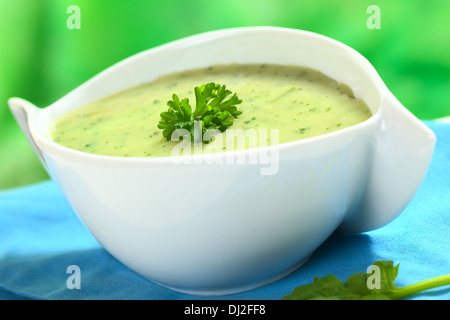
(357,287)
(213,110)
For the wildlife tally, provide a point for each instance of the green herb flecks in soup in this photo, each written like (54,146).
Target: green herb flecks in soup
(299,102)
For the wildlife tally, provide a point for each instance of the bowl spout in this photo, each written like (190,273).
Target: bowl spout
(402,151)
(24,111)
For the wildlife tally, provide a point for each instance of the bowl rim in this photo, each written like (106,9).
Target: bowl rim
(49,144)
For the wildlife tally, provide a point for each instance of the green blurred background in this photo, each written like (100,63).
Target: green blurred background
(41,59)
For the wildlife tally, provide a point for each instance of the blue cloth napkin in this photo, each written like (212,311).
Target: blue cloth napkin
(40,237)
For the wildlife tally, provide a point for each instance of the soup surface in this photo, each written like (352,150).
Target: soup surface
(297,102)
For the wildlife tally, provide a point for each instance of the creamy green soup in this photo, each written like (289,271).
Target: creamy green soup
(299,102)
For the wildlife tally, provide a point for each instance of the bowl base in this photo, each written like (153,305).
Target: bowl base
(235,290)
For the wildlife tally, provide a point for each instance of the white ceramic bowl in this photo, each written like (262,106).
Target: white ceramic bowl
(219,229)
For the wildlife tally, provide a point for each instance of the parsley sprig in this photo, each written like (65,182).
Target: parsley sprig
(356,287)
(213,110)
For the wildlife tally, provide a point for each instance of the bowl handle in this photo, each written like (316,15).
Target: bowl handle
(23,111)
(402,151)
